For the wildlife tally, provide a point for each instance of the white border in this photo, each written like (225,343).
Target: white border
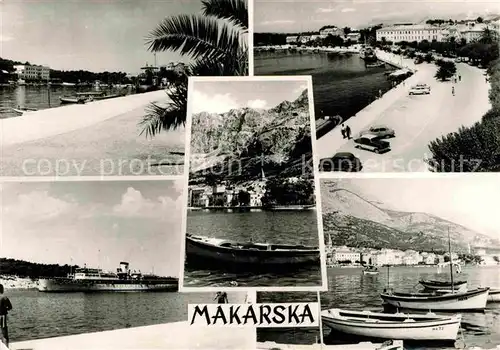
(90,178)
(250,37)
(402,175)
(324,283)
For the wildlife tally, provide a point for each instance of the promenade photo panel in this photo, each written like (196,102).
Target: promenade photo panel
(252,216)
(413,89)
(399,247)
(95,265)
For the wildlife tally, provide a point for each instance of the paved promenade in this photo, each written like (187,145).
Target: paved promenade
(417,120)
(176,335)
(98,138)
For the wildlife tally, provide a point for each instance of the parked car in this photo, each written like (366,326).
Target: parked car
(381,131)
(420,89)
(372,143)
(343,161)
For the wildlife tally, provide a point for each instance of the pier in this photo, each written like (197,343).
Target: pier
(176,335)
(417,120)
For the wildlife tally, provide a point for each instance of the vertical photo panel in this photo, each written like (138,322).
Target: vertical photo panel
(95,265)
(252,218)
(412,259)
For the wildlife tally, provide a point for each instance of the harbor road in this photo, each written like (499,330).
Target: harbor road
(416,120)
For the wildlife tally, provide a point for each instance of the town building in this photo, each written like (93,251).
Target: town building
(292,39)
(32,72)
(409,33)
(304,39)
(340,254)
(353,36)
(331,30)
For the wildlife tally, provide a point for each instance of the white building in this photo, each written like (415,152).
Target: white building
(304,39)
(335,31)
(409,33)
(353,36)
(31,72)
(345,253)
(292,39)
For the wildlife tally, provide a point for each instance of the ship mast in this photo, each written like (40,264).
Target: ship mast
(451,261)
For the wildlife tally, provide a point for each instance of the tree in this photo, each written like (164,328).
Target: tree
(446,70)
(479,20)
(215,41)
(243,198)
(347,30)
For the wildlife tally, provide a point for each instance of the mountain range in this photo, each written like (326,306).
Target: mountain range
(352,220)
(274,140)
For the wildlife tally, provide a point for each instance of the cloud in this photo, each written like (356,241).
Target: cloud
(178,186)
(278,21)
(257,104)
(38,206)
(348,9)
(218,103)
(326,10)
(134,204)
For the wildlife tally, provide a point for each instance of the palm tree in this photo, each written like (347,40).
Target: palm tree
(215,41)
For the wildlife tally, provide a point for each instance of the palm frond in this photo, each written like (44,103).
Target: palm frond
(195,36)
(230,66)
(235,11)
(168,117)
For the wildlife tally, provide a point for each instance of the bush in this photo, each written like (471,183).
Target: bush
(446,70)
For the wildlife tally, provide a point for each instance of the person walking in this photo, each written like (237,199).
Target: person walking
(343,130)
(348,132)
(221,298)
(5,307)
(453,90)
(459,78)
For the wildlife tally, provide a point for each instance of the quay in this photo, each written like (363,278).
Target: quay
(80,139)
(176,335)
(417,120)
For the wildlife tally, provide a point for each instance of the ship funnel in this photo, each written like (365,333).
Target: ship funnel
(124,267)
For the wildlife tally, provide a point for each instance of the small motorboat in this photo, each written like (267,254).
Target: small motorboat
(436,285)
(388,345)
(224,254)
(469,300)
(393,326)
(375,65)
(494,295)
(370,270)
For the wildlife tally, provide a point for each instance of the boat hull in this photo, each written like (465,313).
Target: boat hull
(494,295)
(444,329)
(370,272)
(438,285)
(205,255)
(395,345)
(71,285)
(471,300)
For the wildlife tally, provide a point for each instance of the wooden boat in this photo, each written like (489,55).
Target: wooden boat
(69,100)
(494,295)
(436,285)
(470,300)
(21,110)
(370,270)
(225,254)
(389,345)
(392,326)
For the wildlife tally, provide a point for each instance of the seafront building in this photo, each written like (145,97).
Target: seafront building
(32,72)
(227,196)
(468,30)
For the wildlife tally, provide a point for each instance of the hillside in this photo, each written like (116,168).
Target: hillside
(248,139)
(352,220)
(28,269)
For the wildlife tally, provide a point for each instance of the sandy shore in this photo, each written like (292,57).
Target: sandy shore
(99,139)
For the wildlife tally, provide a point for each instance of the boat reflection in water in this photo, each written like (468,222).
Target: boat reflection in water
(226,254)
(96,280)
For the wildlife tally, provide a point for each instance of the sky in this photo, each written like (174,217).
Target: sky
(95,223)
(471,201)
(222,96)
(95,35)
(301,16)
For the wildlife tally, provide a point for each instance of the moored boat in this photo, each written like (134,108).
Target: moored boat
(375,65)
(392,326)
(389,345)
(21,110)
(437,285)
(494,295)
(69,100)
(370,270)
(222,253)
(470,300)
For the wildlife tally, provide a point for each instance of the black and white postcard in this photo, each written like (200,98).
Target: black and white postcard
(252,217)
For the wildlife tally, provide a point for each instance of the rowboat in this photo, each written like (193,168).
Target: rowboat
(222,253)
(389,345)
(68,100)
(375,65)
(21,111)
(494,295)
(370,270)
(392,326)
(436,285)
(469,300)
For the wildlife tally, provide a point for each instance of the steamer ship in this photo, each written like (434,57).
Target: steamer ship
(96,280)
